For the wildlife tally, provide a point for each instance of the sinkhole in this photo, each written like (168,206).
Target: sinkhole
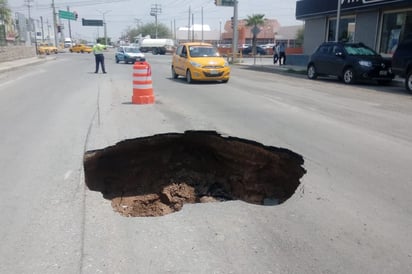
(157,175)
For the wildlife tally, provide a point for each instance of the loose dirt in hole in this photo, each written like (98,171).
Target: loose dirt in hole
(157,175)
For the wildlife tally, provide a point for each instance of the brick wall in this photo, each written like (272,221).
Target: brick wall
(10,53)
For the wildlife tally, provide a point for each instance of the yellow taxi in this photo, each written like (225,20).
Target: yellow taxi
(81,48)
(199,62)
(44,48)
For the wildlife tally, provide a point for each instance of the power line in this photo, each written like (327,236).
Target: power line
(80,3)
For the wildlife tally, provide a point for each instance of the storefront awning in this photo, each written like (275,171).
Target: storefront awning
(315,8)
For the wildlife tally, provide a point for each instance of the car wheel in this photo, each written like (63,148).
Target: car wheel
(154,51)
(349,76)
(174,75)
(81,51)
(189,79)
(408,81)
(311,72)
(117,60)
(71,50)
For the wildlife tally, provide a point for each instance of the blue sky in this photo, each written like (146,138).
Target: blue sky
(121,14)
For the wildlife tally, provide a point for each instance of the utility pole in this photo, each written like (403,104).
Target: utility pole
(154,11)
(42,29)
(235,30)
(202,26)
(193,27)
(29,24)
(188,27)
(54,23)
(68,21)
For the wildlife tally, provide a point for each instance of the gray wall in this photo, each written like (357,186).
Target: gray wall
(10,53)
(366,28)
(315,30)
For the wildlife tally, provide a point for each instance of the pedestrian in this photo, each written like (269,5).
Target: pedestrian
(99,57)
(282,54)
(275,54)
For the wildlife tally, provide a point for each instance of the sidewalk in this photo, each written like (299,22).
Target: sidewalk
(11,65)
(266,64)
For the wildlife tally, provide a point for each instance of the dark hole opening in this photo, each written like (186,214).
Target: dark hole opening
(157,175)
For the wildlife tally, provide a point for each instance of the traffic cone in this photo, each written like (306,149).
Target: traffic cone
(142,83)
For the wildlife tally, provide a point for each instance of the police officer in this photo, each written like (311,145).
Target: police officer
(99,57)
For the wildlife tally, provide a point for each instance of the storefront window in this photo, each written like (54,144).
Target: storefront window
(395,27)
(346,29)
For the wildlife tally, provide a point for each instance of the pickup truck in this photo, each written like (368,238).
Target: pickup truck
(402,62)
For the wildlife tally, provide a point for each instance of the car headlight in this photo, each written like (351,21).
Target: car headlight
(364,63)
(193,63)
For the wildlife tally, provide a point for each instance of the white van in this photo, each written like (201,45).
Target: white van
(68,42)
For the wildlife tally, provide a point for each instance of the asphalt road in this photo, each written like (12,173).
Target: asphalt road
(351,214)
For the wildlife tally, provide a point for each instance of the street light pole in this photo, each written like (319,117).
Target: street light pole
(105,25)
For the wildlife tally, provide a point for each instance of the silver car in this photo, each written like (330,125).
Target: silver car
(128,54)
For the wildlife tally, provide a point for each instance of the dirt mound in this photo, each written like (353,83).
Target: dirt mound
(157,175)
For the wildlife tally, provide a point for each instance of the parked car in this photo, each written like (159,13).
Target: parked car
(402,61)
(248,50)
(81,48)
(349,62)
(201,62)
(128,54)
(44,48)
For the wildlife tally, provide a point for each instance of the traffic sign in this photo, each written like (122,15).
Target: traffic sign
(92,22)
(67,15)
(225,3)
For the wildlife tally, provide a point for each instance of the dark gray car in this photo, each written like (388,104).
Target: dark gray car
(349,62)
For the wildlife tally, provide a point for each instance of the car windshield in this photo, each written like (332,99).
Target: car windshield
(359,50)
(203,51)
(134,50)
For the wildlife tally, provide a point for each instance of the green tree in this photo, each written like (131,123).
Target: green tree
(255,21)
(102,40)
(148,29)
(300,36)
(5,13)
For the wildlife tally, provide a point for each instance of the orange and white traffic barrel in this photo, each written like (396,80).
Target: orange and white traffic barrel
(142,83)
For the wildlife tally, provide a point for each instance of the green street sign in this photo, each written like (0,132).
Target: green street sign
(92,22)
(225,3)
(67,15)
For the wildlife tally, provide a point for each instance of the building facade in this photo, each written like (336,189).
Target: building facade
(380,24)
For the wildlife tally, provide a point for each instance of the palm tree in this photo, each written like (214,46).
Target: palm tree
(254,21)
